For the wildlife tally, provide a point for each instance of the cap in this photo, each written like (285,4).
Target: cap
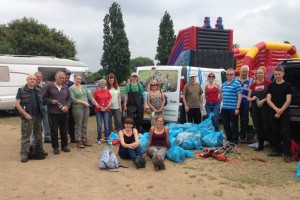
(192,74)
(134,74)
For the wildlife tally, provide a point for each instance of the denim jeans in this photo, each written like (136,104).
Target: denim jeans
(215,108)
(105,117)
(230,123)
(127,153)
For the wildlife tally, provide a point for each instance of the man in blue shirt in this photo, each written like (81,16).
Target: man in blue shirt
(232,96)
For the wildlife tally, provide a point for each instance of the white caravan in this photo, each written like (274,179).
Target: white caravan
(172,80)
(14,70)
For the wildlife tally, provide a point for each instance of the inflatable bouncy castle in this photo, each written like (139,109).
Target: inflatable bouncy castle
(265,54)
(203,46)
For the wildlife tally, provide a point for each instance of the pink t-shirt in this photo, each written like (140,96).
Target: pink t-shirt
(102,97)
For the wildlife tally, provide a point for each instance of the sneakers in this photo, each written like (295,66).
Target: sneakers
(137,162)
(143,162)
(287,159)
(99,142)
(80,144)
(24,159)
(56,151)
(86,143)
(274,154)
(259,148)
(65,149)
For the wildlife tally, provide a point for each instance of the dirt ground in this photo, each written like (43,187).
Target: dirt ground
(76,175)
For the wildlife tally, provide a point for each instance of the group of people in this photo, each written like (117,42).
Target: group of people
(267,102)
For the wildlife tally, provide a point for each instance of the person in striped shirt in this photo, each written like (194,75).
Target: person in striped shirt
(232,96)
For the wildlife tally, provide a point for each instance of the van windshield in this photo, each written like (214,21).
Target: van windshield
(167,79)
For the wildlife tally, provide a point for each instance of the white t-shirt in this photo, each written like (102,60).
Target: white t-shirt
(115,98)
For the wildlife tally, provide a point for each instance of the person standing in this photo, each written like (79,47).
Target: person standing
(158,143)
(232,96)
(115,107)
(29,103)
(259,107)
(193,100)
(81,110)
(134,103)
(213,98)
(71,122)
(56,96)
(103,99)
(156,101)
(245,82)
(279,98)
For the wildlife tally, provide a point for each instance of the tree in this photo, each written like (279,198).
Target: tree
(116,55)
(166,39)
(28,37)
(140,61)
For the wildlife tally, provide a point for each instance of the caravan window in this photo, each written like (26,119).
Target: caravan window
(49,73)
(167,79)
(4,74)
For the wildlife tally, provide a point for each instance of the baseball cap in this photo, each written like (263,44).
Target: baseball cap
(192,74)
(134,74)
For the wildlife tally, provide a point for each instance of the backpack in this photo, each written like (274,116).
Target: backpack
(108,160)
(36,153)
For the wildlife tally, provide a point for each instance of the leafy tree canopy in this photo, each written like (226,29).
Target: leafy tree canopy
(27,36)
(139,62)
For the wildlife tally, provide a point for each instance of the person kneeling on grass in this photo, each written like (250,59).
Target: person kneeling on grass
(158,143)
(130,145)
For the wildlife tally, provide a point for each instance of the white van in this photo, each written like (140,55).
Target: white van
(172,80)
(14,70)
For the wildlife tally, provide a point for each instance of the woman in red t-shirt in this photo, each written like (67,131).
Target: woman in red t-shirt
(259,108)
(213,97)
(103,97)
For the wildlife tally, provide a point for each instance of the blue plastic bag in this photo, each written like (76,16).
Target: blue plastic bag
(112,136)
(207,123)
(176,154)
(213,139)
(298,170)
(189,154)
(144,140)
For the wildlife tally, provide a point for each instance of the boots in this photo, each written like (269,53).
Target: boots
(137,162)
(158,162)
(143,162)
(79,144)
(86,143)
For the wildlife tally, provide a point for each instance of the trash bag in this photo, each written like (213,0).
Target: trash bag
(298,170)
(173,125)
(175,132)
(176,154)
(172,141)
(113,136)
(207,123)
(189,154)
(144,140)
(213,139)
(189,141)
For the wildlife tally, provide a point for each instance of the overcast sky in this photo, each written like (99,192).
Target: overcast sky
(252,21)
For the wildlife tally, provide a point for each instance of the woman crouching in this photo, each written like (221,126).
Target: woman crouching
(130,145)
(158,143)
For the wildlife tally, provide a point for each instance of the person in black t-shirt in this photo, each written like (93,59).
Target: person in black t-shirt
(279,98)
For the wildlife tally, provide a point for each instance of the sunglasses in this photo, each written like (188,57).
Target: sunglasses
(154,85)
(229,74)
(211,76)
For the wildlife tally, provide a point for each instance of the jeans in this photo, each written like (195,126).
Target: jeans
(105,117)
(194,115)
(81,118)
(230,123)
(244,121)
(27,129)
(127,153)
(215,108)
(46,128)
(59,121)
(116,113)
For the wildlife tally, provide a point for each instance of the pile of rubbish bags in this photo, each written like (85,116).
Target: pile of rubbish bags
(185,137)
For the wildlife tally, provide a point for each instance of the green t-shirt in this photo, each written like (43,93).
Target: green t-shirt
(82,95)
(134,88)
(115,98)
